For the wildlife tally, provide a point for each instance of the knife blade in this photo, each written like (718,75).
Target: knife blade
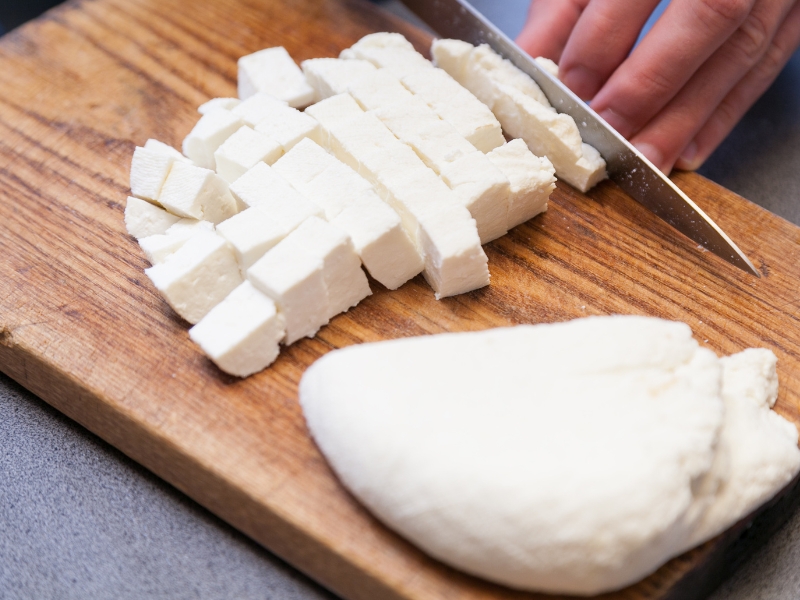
(627,167)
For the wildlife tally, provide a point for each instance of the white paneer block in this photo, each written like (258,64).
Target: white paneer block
(303,163)
(197,193)
(274,72)
(244,150)
(159,247)
(216,104)
(208,134)
(253,232)
(532,180)
(336,108)
(486,70)
(483,190)
(149,170)
(452,56)
(242,333)
(379,239)
(288,126)
(198,276)
(293,276)
(262,186)
(378,90)
(257,108)
(332,76)
(143,219)
(458,106)
(334,188)
(165,149)
(388,50)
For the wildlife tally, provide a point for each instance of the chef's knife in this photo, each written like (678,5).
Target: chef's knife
(626,165)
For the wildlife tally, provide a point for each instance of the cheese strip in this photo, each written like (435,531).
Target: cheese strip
(274,72)
(242,333)
(443,230)
(143,218)
(350,202)
(522,109)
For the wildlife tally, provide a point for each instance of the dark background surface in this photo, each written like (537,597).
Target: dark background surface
(78,519)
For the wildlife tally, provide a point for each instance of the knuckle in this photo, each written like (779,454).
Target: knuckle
(752,39)
(773,60)
(723,12)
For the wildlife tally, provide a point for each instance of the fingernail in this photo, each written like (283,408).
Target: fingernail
(652,153)
(581,80)
(616,121)
(689,159)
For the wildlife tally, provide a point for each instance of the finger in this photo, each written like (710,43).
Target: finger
(603,37)
(670,133)
(744,94)
(683,38)
(548,26)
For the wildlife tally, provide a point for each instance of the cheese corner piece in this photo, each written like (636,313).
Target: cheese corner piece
(198,276)
(273,71)
(331,76)
(287,126)
(241,334)
(548,65)
(208,134)
(458,106)
(389,51)
(143,218)
(159,247)
(257,107)
(197,193)
(451,56)
(262,186)
(532,180)
(254,231)
(486,466)
(379,239)
(149,170)
(216,104)
(244,150)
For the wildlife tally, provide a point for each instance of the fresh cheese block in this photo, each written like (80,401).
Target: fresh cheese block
(159,247)
(149,170)
(197,193)
(332,76)
(242,333)
(257,108)
(217,103)
(583,485)
(261,186)
(197,276)
(388,50)
(532,180)
(452,56)
(287,126)
(501,71)
(244,150)
(458,106)
(143,218)
(254,231)
(166,149)
(548,65)
(378,89)
(303,163)
(274,72)
(208,134)
(337,108)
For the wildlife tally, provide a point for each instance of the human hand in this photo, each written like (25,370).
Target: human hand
(690,80)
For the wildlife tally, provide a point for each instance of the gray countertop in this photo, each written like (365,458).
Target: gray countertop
(78,519)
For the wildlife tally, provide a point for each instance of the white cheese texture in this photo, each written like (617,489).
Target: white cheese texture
(522,109)
(573,458)
(273,72)
(143,219)
(158,247)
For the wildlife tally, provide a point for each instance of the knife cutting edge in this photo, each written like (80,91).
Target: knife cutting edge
(627,167)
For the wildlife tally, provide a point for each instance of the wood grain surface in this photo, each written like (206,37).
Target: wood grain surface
(81,325)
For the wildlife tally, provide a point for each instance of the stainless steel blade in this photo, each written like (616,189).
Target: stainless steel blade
(626,165)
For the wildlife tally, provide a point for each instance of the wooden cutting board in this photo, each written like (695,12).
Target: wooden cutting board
(81,325)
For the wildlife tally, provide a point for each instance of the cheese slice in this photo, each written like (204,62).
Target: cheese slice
(242,333)
(244,150)
(197,193)
(208,134)
(143,218)
(274,72)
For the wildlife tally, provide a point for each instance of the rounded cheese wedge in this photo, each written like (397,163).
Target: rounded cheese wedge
(569,458)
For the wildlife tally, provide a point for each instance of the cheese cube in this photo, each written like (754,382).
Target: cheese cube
(143,219)
(292,275)
(452,56)
(217,103)
(334,188)
(242,333)
(532,180)
(197,193)
(149,170)
(388,50)
(257,108)
(303,163)
(244,150)
(334,109)
(253,232)
(378,89)
(273,71)
(262,186)
(159,247)
(198,276)
(288,126)
(165,149)
(458,106)
(332,76)
(379,239)
(211,130)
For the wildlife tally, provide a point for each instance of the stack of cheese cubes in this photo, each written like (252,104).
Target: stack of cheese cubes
(259,229)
